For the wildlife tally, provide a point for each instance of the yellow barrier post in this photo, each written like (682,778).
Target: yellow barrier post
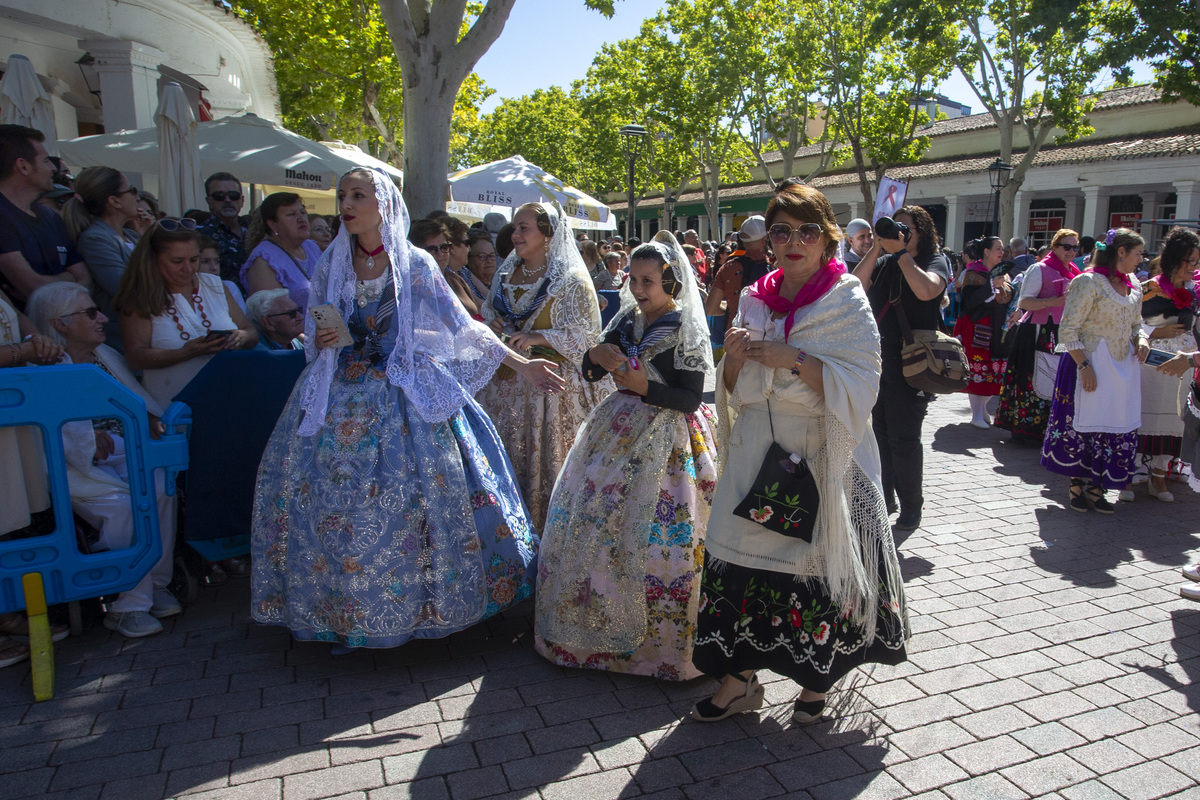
(41,648)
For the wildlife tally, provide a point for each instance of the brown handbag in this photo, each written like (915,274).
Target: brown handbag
(932,361)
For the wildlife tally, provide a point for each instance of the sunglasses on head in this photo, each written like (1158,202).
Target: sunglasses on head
(434,249)
(172,225)
(781,233)
(91,312)
(294,313)
(221,197)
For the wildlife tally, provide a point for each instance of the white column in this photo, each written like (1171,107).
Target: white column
(856,209)
(1095,211)
(1187,203)
(1071,212)
(129,75)
(1021,214)
(954,222)
(702,230)
(726,225)
(1150,201)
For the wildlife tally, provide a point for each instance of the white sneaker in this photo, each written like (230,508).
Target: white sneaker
(132,624)
(1125,495)
(165,605)
(1192,573)
(1191,591)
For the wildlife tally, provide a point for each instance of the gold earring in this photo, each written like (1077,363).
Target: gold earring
(547,245)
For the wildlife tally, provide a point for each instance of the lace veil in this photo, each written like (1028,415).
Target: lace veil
(574,307)
(441,357)
(695,350)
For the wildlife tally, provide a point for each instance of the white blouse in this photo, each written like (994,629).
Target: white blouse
(164,383)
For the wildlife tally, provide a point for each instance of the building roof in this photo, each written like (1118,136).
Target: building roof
(1164,144)
(1115,98)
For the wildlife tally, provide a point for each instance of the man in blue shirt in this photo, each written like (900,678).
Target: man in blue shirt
(35,248)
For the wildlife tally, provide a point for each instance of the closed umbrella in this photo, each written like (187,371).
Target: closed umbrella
(180,184)
(513,182)
(23,101)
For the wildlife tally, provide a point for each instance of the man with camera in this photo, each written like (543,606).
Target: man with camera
(912,277)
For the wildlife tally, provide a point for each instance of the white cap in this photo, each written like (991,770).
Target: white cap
(753,229)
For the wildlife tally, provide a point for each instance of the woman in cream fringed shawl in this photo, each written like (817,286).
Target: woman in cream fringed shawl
(802,359)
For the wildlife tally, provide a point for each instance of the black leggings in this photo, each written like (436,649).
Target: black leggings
(897,417)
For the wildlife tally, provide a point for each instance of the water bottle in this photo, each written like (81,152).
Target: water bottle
(791,462)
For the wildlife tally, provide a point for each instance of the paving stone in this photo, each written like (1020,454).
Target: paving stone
(276,765)
(1158,740)
(870,786)
(995,721)
(808,771)
(1048,774)
(102,770)
(1146,781)
(660,773)
(474,783)
(725,758)
(1049,737)
(749,785)
(609,785)
(332,781)
(1101,723)
(935,738)
(985,787)
(1104,756)
(927,773)
(146,787)
(562,737)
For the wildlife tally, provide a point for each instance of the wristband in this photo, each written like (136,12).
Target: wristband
(1085,364)
(799,363)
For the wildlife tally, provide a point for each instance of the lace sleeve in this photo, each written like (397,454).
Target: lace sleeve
(575,317)
(1081,298)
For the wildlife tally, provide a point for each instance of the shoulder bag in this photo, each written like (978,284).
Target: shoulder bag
(784,497)
(932,361)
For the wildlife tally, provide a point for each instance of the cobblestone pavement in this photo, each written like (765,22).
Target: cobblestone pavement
(1052,657)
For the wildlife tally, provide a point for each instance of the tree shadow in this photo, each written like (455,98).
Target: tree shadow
(1182,675)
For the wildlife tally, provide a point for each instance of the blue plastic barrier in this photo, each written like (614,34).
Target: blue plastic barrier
(46,397)
(613,296)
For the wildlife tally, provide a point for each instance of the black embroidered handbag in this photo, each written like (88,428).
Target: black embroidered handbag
(784,497)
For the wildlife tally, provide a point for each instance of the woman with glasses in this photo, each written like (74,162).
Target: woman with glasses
(174,319)
(801,370)
(543,302)
(105,204)
(97,475)
(1043,293)
(985,299)
(432,236)
(481,265)
(281,254)
(912,276)
(1169,306)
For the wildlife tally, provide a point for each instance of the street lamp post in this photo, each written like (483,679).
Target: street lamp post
(998,173)
(631,142)
(669,207)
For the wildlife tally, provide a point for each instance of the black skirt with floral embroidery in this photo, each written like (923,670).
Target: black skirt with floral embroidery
(757,619)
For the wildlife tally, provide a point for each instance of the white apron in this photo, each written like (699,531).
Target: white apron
(1116,405)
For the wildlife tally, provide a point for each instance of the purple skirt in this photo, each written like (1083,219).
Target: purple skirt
(1105,459)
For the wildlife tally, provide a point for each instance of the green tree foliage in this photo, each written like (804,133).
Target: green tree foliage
(873,81)
(338,75)
(1031,64)
(1167,35)
(546,127)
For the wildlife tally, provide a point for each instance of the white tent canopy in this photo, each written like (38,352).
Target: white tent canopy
(509,184)
(23,101)
(256,150)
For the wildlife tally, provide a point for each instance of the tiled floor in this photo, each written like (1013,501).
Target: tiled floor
(1052,657)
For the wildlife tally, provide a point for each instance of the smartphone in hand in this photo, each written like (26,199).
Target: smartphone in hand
(326,316)
(211,335)
(1158,357)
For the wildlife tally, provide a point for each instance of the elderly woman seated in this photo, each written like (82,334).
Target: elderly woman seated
(95,449)
(278,319)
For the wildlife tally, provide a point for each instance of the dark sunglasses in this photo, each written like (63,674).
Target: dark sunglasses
(294,313)
(434,249)
(221,197)
(132,190)
(92,313)
(172,225)
(1071,247)
(781,233)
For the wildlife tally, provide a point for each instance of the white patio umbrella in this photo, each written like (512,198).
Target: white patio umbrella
(512,182)
(256,150)
(180,184)
(23,101)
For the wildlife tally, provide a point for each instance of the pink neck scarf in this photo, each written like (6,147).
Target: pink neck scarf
(767,289)
(977,266)
(1109,272)
(1066,271)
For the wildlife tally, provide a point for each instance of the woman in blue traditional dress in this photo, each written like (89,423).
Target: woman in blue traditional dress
(619,570)
(386,508)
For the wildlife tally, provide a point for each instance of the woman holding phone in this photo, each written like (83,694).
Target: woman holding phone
(386,508)
(1043,293)
(174,319)
(1169,305)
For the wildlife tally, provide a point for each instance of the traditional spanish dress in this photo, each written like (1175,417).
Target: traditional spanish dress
(1022,410)
(1093,435)
(386,508)
(537,428)
(619,570)
(773,602)
(1164,397)
(979,327)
